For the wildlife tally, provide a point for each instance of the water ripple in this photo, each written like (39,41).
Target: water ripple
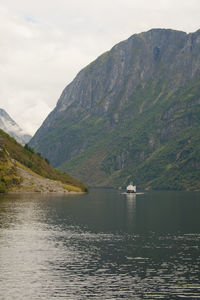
(44,257)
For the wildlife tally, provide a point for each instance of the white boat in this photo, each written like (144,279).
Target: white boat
(131,188)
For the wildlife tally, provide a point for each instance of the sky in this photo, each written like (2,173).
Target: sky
(45,43)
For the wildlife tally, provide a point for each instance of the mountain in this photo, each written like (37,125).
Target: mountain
(22,170)
(8,125)
(131,115)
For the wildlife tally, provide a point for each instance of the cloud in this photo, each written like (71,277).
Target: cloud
(45,43)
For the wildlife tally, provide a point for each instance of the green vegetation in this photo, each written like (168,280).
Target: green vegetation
(10,150)
(131,115)
(162,143)
(72,188)
(8,173)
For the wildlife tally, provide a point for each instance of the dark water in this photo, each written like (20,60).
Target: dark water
(104,245)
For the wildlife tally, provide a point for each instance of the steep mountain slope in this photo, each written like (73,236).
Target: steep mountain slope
(8,125)
(132,114)
(22,170)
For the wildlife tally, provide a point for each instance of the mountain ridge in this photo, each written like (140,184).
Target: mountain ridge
(12,128)
(125,109)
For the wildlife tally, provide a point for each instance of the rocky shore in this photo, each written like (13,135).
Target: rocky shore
(32,182)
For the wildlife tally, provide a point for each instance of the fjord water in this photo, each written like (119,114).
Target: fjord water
(103,245)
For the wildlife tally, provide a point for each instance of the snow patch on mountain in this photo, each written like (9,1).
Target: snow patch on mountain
(8,125)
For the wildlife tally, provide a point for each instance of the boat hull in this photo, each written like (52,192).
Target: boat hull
(130,192)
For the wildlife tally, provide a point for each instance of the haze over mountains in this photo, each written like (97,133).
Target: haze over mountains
(131,115)
(12,128)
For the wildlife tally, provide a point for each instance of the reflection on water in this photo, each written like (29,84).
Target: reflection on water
(104,245)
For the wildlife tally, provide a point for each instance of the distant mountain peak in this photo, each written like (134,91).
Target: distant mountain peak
(8,125)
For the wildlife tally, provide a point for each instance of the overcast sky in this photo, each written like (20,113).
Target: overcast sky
(45,43)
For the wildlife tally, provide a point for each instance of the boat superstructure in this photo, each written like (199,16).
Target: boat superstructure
(131,188)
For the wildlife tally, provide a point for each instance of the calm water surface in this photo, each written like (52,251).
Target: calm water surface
(104,245)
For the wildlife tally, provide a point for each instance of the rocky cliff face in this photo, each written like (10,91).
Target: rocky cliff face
(130,114)
(8,125)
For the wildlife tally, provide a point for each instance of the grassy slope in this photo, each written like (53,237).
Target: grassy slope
(31,160)
(8,172)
